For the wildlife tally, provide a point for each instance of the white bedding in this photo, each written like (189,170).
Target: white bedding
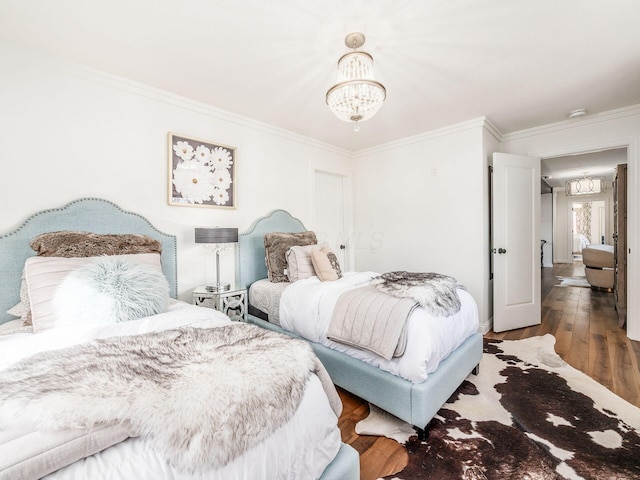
(300,449)
(580,241)
(306,307)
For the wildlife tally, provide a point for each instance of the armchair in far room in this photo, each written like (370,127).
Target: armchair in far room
(599,266)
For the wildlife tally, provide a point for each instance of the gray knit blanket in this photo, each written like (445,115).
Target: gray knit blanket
(435,292)
(371,320)
(200,396)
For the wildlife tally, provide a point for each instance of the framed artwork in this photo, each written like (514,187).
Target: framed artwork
(201,173)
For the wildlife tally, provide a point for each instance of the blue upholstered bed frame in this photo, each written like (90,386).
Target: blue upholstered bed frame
(86,215)
(415,403)
(102,216)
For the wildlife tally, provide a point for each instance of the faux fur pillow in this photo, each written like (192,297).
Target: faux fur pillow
(326,265)
(84,244)
(45,274)
(70,244)
(110,290)
(276,245)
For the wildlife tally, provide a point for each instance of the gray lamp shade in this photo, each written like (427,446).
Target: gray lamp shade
(216,235)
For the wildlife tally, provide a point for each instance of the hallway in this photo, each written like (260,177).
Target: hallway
(585,325)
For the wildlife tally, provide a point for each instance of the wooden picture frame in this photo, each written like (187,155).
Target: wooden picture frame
(201,173)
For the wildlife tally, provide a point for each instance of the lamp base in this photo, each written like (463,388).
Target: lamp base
(219,287)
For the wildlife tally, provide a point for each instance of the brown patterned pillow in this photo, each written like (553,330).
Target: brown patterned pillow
(84,244)
(276,245)
(326,264)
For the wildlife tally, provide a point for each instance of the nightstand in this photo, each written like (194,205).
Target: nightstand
(232,302)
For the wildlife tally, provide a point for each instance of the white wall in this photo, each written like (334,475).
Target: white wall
(421,205)
(70,132)
(563,222)
(619,128)
(546,228)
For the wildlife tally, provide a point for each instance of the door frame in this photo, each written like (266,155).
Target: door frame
(347,208)
(633,208)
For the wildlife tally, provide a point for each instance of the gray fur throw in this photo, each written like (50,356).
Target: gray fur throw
(435,292)
(200,396)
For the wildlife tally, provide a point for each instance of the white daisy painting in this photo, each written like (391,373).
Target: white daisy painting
(201,173)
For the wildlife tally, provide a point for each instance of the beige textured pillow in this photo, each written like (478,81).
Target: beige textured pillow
(44,275)
(85,244)
(326,264)
(276,245)
(299,265)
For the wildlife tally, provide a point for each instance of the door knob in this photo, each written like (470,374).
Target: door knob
(342,247)
(502,250)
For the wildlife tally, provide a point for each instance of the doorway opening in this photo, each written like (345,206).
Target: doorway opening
(577,221)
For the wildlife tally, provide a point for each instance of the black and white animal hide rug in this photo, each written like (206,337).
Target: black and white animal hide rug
(528,415)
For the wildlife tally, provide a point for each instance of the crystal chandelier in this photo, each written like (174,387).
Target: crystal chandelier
(356,96)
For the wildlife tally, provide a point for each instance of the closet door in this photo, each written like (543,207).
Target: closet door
(620,241)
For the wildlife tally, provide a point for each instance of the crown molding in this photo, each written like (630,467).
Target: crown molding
(421,137)
(74,69)
(607,116)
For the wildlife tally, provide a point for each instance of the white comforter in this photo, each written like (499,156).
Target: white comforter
(299,450)
(306,307)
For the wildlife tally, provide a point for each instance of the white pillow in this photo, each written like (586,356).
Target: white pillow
(110,290)
(299,265)
(45,274)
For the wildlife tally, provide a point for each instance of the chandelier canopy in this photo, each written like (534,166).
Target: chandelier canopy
(357,95)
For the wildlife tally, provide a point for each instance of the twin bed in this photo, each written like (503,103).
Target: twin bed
(36,439)
(109,439)
(414,394)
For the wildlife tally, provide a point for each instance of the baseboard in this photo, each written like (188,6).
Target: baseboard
(486,326)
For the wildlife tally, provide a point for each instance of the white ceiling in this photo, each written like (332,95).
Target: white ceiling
(522,63)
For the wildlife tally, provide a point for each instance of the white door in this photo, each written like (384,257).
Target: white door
(516,241)
(330,222)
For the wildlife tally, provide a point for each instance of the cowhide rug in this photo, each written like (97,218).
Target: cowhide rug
(573,282)
(528,415)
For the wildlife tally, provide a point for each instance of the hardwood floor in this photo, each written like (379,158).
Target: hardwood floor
(585,325)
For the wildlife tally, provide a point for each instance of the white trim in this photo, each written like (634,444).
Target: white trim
(633,242)
(347,206)
(486,326)
(633,206)
(623,142)
(421,137)
(136,88)
(569,124)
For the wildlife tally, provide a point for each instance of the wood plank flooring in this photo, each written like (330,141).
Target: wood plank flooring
(585,325)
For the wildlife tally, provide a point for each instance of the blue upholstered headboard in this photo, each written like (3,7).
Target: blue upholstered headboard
(87,215)
(250,257)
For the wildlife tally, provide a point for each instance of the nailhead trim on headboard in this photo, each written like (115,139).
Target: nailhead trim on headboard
(85,214)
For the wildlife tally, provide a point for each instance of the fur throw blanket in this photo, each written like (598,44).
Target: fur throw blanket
(435,292)
(200,396)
